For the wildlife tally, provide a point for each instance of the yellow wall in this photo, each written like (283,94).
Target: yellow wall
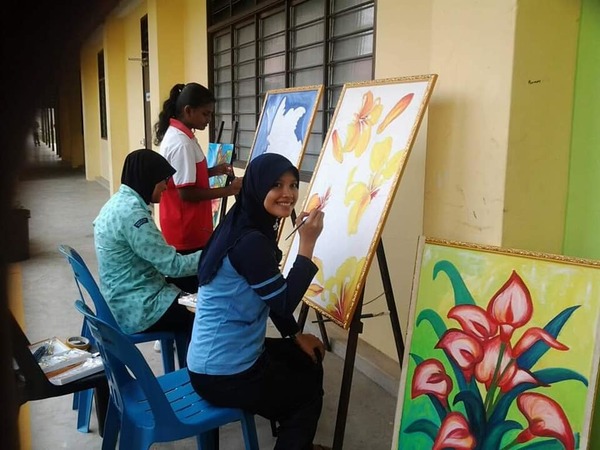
(166,24)
(405,220)
(196,51)
(90,106)
(116,98)
(134,85)
(69,112)
(464,141)
(471,50)
(540,124)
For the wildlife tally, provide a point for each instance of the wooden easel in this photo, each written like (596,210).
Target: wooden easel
(356,327)
(233,157)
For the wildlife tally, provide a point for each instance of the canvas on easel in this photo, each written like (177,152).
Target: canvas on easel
(363,157)
(285,123)
(501,350)
(218,154)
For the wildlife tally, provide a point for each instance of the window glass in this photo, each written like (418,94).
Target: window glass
(352,47)
(339,5)
(272,45)
(246,87)
(245,34)
(264,49)
(246,104)
(245,70)
(312,56)
(353,21)
(273,82)
(308,35)
(223,74)
(222,42)
(307,12)
(352,71)
(273,64)
(245,53)
(308,77)
(273,24)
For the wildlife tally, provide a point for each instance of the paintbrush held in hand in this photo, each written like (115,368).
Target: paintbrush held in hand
(316,202)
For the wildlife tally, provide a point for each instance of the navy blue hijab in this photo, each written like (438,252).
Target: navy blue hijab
(248,214)
(143,169)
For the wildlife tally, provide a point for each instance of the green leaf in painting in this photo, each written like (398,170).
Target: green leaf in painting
(531,356)
(545,377)
(548,444)
(439,408)
(462,296)
(494,436)
(424,426)
(475,411)
(416,358)
(434,319)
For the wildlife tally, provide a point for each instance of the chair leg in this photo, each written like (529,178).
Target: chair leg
(181,343)
(102,405)
(75,400)
(209,440)
(112,426)
(249,431)
(84,410)
(274,428)
(168,355)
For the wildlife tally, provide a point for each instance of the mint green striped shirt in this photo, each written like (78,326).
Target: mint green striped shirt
(133,260)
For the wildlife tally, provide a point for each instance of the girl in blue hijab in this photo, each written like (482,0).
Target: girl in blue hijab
(231,362)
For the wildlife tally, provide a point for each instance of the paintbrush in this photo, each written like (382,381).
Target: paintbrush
(302,223)
(296,228)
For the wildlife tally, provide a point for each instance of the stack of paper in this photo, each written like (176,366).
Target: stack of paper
(63,364)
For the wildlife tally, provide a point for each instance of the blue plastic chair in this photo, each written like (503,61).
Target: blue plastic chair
(155,409)
(82,401)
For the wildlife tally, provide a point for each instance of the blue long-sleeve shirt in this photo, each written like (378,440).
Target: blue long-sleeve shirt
(232,310)
(133,260)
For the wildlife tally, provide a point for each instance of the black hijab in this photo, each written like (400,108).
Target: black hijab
(143,169)
(247,214)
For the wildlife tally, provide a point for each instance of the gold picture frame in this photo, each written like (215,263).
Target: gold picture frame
(286,120)
(356,177)
(494,349)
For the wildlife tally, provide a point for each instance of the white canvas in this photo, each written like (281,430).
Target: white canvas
(364,154)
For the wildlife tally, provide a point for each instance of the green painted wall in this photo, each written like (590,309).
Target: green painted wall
(582,224)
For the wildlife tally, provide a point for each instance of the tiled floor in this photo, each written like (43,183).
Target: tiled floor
(63,205)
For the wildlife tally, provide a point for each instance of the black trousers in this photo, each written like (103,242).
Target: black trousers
(283,385)
(186,284)
(176,318)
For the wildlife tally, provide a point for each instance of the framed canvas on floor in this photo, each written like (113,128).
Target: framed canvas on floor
(501,350)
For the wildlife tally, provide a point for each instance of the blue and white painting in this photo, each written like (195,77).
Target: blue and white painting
(286,121)
(218,154)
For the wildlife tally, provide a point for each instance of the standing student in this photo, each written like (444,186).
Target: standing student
(186,207)
(133,257)
(231,362)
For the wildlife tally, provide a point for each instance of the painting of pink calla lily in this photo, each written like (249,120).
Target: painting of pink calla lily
(495,356)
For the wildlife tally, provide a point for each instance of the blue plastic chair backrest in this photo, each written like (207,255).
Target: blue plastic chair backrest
(83,277)
(124,364)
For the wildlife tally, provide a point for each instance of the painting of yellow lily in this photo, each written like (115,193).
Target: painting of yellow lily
(356,177)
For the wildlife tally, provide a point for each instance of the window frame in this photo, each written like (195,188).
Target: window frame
(221,24)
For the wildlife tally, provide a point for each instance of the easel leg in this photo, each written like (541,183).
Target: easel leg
(323,330)
(303,315)
(391,302)
(355,329)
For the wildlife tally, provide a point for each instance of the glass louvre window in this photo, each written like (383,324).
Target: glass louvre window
(222,82)
(287,43)
(244,87)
